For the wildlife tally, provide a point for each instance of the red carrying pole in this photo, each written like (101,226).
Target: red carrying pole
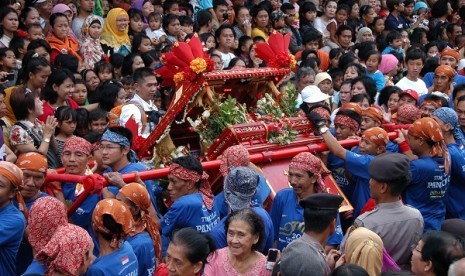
(262,157)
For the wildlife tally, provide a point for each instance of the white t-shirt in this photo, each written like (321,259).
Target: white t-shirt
(418,85)
(226,58)
(321,26)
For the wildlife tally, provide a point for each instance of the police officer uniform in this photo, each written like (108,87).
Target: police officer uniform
(306,256)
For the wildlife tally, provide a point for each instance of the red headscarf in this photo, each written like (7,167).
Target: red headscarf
(310,163)
(65,252)
(429,130)
(138,195)
(347,121)
(234,156)
(408,112)
(47,214)
(15,176)
(186,174)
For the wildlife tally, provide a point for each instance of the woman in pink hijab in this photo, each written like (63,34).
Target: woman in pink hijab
(62,8)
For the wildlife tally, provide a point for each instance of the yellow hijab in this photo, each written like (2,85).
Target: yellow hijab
(365,248)
(111,36)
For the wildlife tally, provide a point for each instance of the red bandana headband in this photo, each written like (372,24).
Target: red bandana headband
(346,120)
(186,174)
(310,163)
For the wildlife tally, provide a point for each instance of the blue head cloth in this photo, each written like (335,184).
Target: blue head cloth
(448,116)
(114,137)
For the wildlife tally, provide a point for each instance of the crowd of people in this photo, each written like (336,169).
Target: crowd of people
(73,74)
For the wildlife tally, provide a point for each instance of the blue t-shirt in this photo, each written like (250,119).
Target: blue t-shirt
(337,167)
(429,79)
(135,167)
(357,165)
(188,211)
(24,257)
(142,245)
(83,215)
(396,24)
(263,191)
(379,79)
(389,49)
(455,207)
(35,268)
(288,220)
(12,225)
(219,235)
(427,190)
(121,262)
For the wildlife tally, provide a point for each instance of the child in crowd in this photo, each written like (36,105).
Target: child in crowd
(8,64)
(35,31)
(415,60)
(394,39)
(141,44)
(79,94)
(342,14)
(187,24)
(208,41)
(277,21)
(97,120)
(90,48)
(372,61)
(67,120)
(242,50)
(104,71)
(19,45)
(377,27)
(128,86)
(218,61)
(154,31)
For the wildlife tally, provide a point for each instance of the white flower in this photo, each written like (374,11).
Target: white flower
(206,114)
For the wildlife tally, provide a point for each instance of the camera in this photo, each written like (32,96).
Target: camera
(225,16)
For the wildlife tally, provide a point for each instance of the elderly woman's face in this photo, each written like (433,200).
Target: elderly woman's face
(305,81)
(6,191)
(177,262)
(418,265)
(240,238)
(301,182)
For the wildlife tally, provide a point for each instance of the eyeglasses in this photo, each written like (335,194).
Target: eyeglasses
(108,147)
(414,248)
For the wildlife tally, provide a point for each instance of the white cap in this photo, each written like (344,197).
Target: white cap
(313,94)
(321,77)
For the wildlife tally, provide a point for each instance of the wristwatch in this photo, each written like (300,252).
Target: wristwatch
(323,129)
(46,140)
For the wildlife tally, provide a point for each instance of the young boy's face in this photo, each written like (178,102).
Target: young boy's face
(35,33)
(414,67)
(98,125)
(280,23)
(396,43)
(312,45)
(154,24)
(341,16)
(408,10)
